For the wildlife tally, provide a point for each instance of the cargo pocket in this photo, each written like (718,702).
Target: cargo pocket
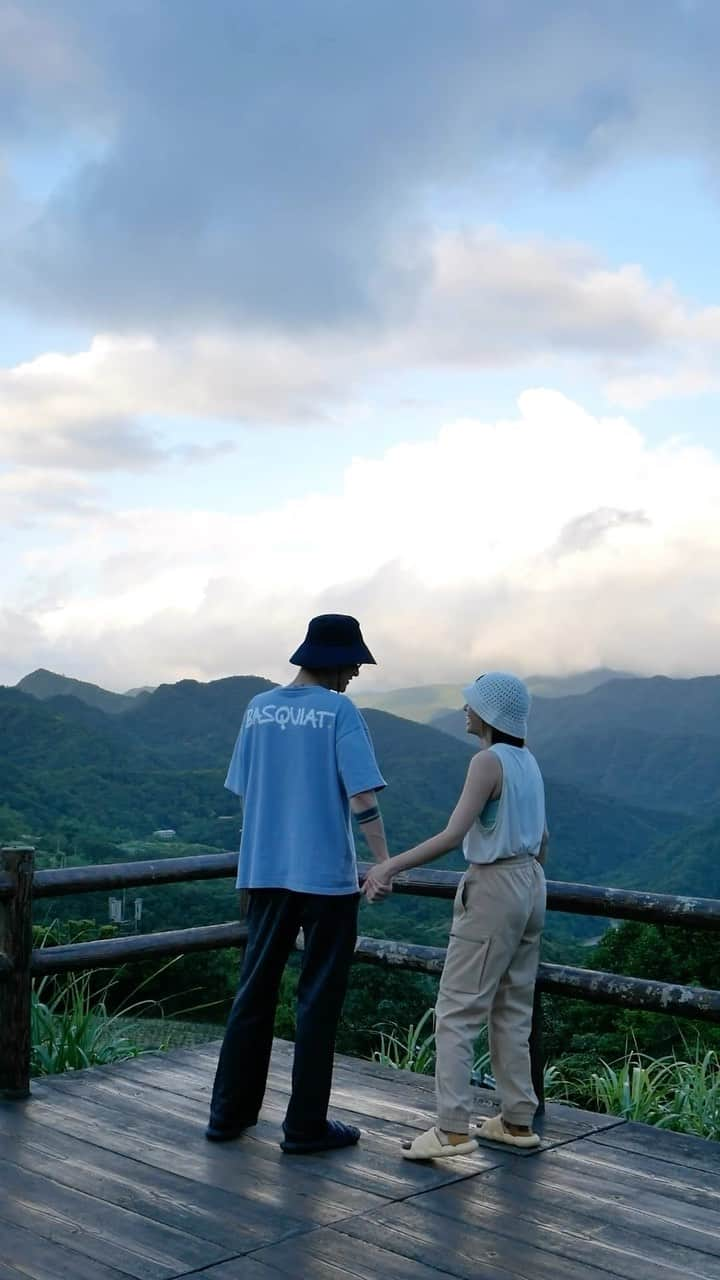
(465,963)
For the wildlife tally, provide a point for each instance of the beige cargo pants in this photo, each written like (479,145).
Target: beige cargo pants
(489,976)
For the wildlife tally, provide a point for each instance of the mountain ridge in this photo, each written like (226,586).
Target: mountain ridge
(43,684)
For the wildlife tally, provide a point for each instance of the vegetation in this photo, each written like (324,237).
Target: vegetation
(72,1028)
(673,1093)
(412,1049)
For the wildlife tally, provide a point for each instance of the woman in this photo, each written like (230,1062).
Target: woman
(498,916)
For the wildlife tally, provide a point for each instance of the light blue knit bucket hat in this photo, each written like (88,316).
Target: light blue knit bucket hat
(501,700)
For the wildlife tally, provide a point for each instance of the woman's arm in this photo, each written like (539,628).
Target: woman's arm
(484,777)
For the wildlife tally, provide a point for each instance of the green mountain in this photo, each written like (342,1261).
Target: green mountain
(689,856)
(426,702)
(44,684)
(190,724)
(62,733)
(568,686)
(652,742)
(421,703)
(656,705)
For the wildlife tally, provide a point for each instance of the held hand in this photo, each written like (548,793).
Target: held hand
(378,882)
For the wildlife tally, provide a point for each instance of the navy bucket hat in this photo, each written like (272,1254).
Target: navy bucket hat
(332,640)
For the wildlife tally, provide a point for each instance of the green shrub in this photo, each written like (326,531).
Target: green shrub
(682,1094)
(411,1049)
(71,1029)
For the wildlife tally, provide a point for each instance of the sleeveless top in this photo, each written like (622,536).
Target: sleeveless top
(513,824)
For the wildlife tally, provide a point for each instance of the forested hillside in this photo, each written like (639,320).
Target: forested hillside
(653,743)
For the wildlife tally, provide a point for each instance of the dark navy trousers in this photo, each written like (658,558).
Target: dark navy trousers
(329,925)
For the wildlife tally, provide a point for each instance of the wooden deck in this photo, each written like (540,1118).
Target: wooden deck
(106,1174)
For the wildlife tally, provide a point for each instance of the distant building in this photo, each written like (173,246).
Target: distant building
(167,833)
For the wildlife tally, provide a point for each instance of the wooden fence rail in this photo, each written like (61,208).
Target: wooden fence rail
(19,884)
(578,899)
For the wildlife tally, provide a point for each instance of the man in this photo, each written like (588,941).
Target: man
(302,762)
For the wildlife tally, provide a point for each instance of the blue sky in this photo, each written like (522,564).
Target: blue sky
(362,307)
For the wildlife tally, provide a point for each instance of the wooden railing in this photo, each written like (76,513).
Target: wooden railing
(20,884)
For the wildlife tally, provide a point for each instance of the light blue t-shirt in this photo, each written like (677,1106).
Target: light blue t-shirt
(300,754)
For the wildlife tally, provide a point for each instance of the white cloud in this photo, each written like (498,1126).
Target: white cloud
(31,493)
(456,553)
(489,301)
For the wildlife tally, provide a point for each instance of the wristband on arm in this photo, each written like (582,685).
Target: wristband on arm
(367,815)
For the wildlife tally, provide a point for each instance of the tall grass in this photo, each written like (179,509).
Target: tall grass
(78,1022)
(682,1094)
(71,1027)
(408,1049)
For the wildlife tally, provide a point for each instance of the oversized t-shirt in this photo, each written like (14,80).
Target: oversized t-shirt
(301,753)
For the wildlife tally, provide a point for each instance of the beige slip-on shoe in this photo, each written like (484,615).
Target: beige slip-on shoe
(493,1130)
(428,1146)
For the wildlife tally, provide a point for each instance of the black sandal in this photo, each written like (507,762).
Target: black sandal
(227,1133)
(336,1135)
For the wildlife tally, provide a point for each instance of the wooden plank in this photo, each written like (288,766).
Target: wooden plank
(684,1186)
(459,1249)
(681,1221)
(393,1105)
(374,1165)
(136,1245)
(208,1212)
(238,1269)
(326,1255)
(277,1191)
(356,1167)
(43,1259)
(8,1272)
(636,1242)
(558,1239)
(683,1177)
(662,1144)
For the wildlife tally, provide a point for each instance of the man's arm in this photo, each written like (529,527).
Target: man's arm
(542,854)
(369,819)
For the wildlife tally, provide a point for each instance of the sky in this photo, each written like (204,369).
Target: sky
(397,308)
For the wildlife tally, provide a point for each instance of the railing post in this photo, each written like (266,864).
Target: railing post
(16,943)
(537,1052)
